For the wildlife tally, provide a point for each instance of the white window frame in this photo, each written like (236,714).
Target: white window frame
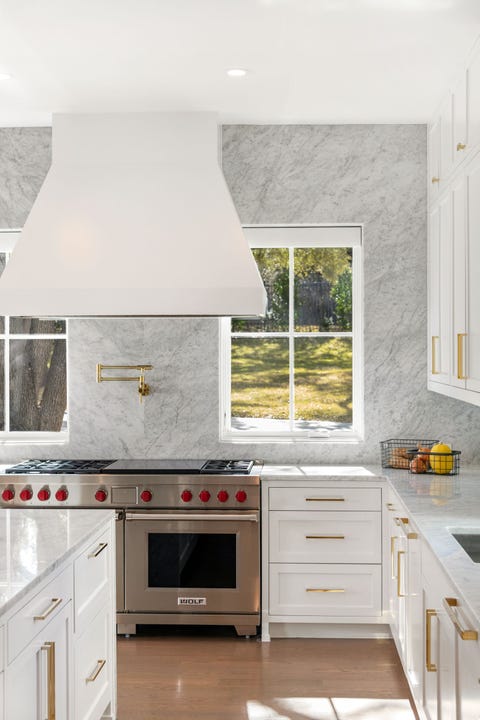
(297,236)
(8,239)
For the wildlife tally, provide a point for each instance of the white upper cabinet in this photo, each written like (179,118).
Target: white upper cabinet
(434,158)
(446,137)
(459,119)
(472,339)
(459,257)
(440,264)
(473,85)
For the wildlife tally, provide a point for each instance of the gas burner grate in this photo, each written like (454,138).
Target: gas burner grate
(227,467)
(59,467)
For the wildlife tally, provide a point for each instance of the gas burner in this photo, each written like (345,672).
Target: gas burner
(59,467)
(227,467)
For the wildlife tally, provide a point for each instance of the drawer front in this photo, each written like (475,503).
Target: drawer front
(92,580)
(320,498)
(329,590)
(330,537)
(38,612)
(92,669)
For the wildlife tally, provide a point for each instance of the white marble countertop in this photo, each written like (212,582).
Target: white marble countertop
(437,504)
(34,542)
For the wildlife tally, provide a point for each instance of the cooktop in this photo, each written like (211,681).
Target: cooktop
(134,467)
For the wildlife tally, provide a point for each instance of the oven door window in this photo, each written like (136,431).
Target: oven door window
(192,560)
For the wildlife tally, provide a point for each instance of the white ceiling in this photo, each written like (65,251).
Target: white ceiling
(310,61)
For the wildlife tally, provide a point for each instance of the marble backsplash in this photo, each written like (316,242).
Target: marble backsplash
(369,174)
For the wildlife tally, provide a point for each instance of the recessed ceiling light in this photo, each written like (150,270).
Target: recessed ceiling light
(236,72)
(5,76)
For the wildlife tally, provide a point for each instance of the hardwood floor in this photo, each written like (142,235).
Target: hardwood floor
(213,675)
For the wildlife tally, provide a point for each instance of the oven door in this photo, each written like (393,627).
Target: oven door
(192,562)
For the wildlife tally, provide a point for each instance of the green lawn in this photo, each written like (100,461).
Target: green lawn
(323,378)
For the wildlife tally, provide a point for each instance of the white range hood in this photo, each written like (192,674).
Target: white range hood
(134,219)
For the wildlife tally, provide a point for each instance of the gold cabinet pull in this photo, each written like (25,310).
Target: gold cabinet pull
(460,359)
(324,537)
(392,554)
(460,146)
(49,648)
(390,506)
(101,547)
(55,603)
(401,521)
(429,614)
(98,669)
(434,355)
(324,499)
(399,575)
(435,180)
(326,590)
(450,604)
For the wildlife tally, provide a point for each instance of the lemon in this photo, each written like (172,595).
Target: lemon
(441,464)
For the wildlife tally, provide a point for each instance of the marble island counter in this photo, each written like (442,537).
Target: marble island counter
(34,542)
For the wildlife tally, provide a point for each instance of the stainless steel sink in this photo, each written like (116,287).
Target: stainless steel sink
(470,542)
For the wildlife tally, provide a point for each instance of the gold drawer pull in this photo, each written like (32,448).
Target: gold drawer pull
(101,547)
(460,146)
(460,360)
(312,499)
(401,521)
(450,604)
(324,537)
(49,647)
(430,666)
(434,355)
(399,577)
(326,590)
(98,669)
(435,180)
(55,603)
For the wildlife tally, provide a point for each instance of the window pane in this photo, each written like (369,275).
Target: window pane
(2,386)
(323,289)
(323,381)
(36,326)
(38,385)
(273,266)
(3,262)
(260,385)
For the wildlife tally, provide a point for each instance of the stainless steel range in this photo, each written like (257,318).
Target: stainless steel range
(188,540)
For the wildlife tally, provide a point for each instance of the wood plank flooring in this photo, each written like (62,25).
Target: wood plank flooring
(213,675)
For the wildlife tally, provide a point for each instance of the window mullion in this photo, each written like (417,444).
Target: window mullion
(291,340)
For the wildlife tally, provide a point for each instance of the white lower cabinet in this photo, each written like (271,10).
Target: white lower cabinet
(60,644)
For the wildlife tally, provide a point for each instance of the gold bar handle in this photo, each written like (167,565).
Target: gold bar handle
(460,146)
(324,499)
(98,669)
(435,180)
(450,604)
(434,355)
(400,521)
(101,547)
(430,666)
(55,603)
(460,358)
(325,590)
(399,575)
(392,554)
(324,537)
(49,647)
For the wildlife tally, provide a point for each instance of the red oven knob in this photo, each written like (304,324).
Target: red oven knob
(204,495)
(44,494)
(101,495)
(8,494)
(146,495)
(241,496)
(186,496)
(222,496)
(26,493)
(62,494)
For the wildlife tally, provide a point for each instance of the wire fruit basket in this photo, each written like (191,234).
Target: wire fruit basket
(415,456)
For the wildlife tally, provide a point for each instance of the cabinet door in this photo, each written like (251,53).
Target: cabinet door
(431,654)
(459,110)
(398,585)
(38,680)
(414,616)
(473,277)
(446,667)
(434,159)
(446,138)
(469,679)
(473,81)
(440,286)
(459,279)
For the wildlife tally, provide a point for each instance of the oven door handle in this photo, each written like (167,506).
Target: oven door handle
(250,517)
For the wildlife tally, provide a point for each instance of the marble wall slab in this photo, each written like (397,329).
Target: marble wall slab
(369,174)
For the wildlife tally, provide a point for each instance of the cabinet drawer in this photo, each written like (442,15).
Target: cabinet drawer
(329,590)
(92,580)
(38,612)
(321,498)
(92,669)
(318,537)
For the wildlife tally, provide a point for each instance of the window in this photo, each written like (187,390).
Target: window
(296,374)
(33,371)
